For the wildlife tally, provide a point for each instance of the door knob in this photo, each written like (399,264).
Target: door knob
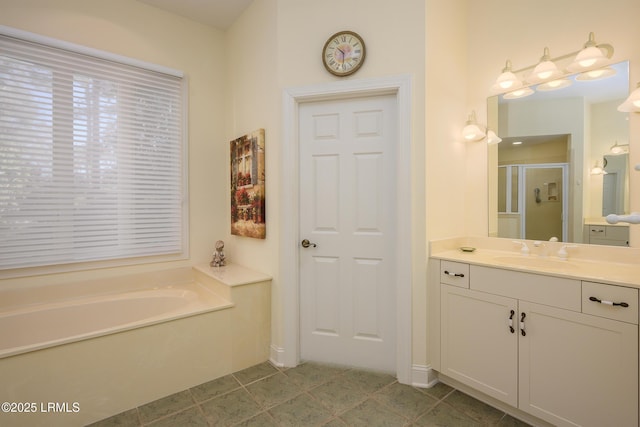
(306,243)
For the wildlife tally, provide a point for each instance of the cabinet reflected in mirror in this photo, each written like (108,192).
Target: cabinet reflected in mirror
(540,176)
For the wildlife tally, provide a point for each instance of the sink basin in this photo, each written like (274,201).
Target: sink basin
(536,262)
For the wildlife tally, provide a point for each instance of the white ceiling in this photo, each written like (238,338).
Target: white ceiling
(215,13)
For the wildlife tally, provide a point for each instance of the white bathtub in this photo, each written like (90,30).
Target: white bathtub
(116,343)
(44,325)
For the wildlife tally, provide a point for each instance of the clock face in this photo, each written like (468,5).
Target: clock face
(343,53)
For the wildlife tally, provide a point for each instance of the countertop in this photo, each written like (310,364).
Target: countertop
(605,264)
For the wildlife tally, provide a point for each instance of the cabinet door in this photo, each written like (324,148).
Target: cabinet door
(578,369)
(478,347)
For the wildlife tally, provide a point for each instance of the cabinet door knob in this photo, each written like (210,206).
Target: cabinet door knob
(522,331)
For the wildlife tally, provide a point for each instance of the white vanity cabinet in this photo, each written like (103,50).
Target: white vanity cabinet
(540,344)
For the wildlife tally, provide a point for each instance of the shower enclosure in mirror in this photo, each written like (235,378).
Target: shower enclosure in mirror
(541,182)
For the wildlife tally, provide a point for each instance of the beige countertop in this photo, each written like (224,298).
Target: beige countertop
(606,264)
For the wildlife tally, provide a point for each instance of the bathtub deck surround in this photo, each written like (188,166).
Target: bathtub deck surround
(208,324)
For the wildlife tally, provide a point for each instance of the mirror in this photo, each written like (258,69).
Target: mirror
(540,176)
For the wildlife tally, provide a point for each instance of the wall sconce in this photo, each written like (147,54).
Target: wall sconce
(473,132)
(619,148)
(597,169)
(492,138)
(632,103)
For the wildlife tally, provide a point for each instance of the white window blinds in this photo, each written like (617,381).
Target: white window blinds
(91,158)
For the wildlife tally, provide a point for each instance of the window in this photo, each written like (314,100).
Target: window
(92,156)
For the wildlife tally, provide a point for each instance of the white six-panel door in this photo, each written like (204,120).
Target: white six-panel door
(347,213)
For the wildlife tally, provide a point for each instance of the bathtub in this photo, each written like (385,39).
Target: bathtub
(93,350)
(44,325)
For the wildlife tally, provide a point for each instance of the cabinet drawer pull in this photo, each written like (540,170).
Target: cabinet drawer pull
(601,301)
(511,322)
(453,274)
(522,331)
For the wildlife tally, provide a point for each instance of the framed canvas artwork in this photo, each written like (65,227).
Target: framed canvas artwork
(248,186)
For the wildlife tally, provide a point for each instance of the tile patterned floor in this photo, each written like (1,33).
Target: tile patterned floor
(312,395)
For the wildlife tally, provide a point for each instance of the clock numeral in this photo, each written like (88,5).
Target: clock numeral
(344,38)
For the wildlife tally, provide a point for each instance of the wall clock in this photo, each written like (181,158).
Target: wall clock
(343,53)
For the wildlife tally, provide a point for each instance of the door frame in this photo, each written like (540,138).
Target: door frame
(400,86)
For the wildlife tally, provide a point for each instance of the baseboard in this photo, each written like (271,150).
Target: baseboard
(423,376)
(276,356)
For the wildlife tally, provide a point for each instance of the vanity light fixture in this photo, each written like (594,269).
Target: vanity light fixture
(471,130)
(619,148)
(591,56)
(545,70)
(632,103)
(507,81)
(590,63)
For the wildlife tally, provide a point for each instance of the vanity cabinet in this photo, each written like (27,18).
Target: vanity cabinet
(612,235)
(540,344)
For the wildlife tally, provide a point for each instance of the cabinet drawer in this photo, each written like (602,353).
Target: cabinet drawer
(547,290)
(610,294)
(454,273)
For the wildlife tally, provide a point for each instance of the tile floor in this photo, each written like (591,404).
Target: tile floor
(312,395)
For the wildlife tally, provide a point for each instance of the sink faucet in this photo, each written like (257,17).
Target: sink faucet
(524,249)
(544,251)
(563,254)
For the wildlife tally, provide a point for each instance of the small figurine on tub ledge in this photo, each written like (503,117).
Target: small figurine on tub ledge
(218,255)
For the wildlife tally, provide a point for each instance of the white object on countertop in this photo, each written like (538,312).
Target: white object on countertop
(634,218)
(524,250)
